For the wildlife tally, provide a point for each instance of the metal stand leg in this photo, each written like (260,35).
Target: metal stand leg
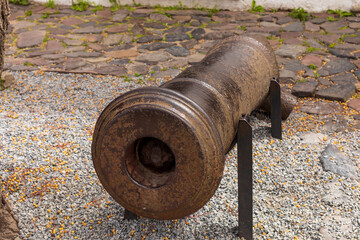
(130,215)
(245,194)
(275,109)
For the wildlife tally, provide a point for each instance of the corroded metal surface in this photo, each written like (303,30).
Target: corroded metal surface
(159,152)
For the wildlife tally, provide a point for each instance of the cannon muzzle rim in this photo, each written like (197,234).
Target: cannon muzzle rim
(151,145)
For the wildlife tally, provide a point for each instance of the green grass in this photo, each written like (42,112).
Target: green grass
(341,39)
(203,25)
(20,2)
(312,49)
(299,13)
(212,11)
(305,43)
(28,64)
(45,15)
(332,45)
(162,11)
(98,8)
(331,19)
(80,5)
(28,13)
(180,6)
(50,4)
(114,5)
(272,37)
(126,78)
(256,8)
(312,66)
(241,27)
(46,38)
(340,13)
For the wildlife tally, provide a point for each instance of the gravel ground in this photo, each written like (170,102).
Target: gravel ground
(46,171)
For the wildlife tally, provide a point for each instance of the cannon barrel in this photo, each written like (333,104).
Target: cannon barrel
(159,151)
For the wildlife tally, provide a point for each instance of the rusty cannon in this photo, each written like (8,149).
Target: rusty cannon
(160,151)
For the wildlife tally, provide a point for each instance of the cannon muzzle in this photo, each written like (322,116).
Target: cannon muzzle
(159,151)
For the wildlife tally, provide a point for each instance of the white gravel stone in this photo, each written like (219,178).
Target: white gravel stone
(46,171)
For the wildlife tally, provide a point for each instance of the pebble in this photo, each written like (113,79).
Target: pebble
(333,160)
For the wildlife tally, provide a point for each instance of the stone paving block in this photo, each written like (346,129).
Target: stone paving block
(321,108)
(339,92)
(54,45)
(138,29)
(333,26)
(335,66)
(112,39)
(176,37)
(294,27)
(118,29)
(344,78)
(123,53)
(91,30)
(153,58)
(119,17)
(354,104)
(312,59)
(30,38)
(304,89)
(352,39)
(290,51)
(72,21)
(138,68)
(149,38)
(312,27)
(156,46)
(287,76)
(156,25)
(112,70)
(178,51)
(342,53)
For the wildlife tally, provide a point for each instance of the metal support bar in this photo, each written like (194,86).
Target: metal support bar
(245,188)
(130,215)
(275,99)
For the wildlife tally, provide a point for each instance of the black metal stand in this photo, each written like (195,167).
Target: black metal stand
(275,98)
(245,195)
(245,175)
(130,215)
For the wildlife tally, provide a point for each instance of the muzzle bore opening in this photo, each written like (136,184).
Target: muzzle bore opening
(150,162)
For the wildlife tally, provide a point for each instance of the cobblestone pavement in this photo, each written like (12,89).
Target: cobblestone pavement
(318,58)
